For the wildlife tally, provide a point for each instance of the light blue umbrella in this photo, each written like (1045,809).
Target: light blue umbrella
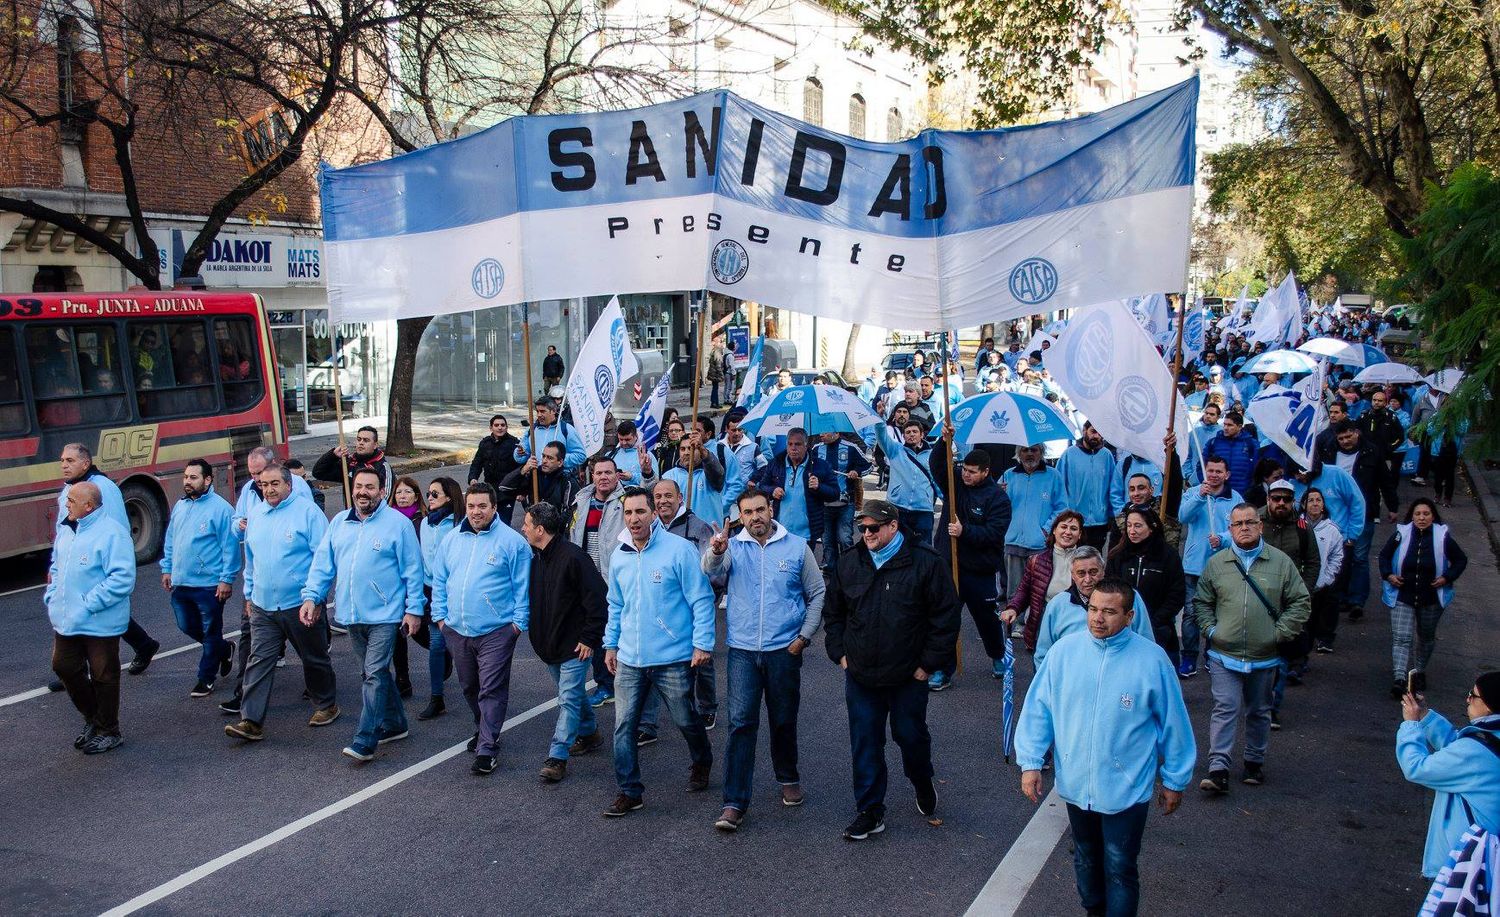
(1345,353)
(1009,417)
(814,408)
(1008,699)
(1281,361)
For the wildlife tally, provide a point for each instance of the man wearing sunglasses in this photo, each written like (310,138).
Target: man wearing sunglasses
(892,619)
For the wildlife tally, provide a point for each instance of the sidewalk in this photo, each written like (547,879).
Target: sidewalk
(1484,479)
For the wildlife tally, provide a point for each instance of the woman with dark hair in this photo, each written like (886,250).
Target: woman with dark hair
(1323,625)
(1419,564)
(445,502)
(665,453)
(406,499)
(1267,472)
(1044,575)
(1145,560)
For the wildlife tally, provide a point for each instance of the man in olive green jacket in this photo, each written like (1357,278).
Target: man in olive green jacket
(1243,625)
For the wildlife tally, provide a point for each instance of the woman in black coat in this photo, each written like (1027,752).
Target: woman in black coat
(1145,560)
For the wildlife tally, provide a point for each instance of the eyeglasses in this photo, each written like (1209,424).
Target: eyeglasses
(434,494)
(1472,695)
(870,528)
(1279,498)
(1246,524)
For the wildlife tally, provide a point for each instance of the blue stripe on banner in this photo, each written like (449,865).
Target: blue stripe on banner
(938,183)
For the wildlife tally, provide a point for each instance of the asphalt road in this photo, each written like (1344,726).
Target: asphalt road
(1335,830)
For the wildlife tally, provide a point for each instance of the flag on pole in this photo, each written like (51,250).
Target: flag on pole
(648,421)
(605,361)
(1278,309)
(750,388)
(1155,315)
(1292,417)
(1194,330)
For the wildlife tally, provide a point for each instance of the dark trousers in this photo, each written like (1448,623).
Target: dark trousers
(978,592)
(200,616)
(483,667)
(270,631)
(1105,850)
(1095,536)
(1324,623)
(602,677)
(918,522)
(401,663)
(1444,472)
(713,397)
(89,668)
(140,641)
(775,675)
(905,707)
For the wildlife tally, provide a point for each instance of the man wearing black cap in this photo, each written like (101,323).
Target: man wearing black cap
(892,618)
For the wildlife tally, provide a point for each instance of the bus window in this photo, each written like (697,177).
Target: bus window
(239,369)
(173,376)
(75,374)
(12,405)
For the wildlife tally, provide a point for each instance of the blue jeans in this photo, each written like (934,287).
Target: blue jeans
(838,532)
(775,675)
(602,678)
(869,709)
(705,698)
(1357,568)
(381,711)
(201,617)
(575,717)
(674,686)
(437,659)
(1105,850)
(1191,638)
(919,522)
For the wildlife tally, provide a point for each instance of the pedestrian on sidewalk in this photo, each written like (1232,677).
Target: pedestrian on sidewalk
(494,458)
(1419,565)
(552,369)
(1461,765)
(445,501)
(199,562)
(89,585)
(366,454)
(1110,704)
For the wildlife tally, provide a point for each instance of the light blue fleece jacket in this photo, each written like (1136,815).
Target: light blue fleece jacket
(1342,496)
(775,591)
(1086,479)
(111,503)
(568,436)
(1435,755)
(250,498)
(1201,517)
(1063,616)
(279,545)
(91,577)
(378,564)
(482,580)
(1113,710)
(201,547)
(661,606)
(912,487)
(1035,501)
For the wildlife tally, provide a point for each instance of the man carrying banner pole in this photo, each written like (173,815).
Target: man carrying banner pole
(1171,437)
(536,496)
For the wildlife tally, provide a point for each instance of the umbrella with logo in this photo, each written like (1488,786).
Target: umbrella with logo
(1009,417)
(1345,353)
(1446,380)
(1281,361)
(814,408)
(1388,374)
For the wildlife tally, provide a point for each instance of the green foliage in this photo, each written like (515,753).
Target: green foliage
(1455,275)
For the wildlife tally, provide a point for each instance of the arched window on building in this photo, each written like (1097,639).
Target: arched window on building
(812,101)
(856,115)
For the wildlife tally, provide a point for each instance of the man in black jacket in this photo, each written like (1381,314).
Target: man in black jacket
(892,618)
(494,459)
(1367,465)
(568,612)
(1381,428)
(552,369)
(983,512)
(554,485)
(367,454)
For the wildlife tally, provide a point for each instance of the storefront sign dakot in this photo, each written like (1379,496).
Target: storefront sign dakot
(246,260)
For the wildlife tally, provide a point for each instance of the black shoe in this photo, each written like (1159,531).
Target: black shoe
(585,744)
(83,737)
(1356,612)
(473,742)
(643,738)
(1275,719)
(484,765)
(1215,783)
(404,691)
(926,796)
(698,777)
(709,720)
(55,685)
(202,689)
(226,665)
(1255,775)
(102,743)
(435,708)
(623,805)
(383,737)
(231,707)
(865,824)
(141,663)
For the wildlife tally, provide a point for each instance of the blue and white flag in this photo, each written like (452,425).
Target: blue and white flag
(1292,417)
(605,361)
(945,229)
(750,388)
(648,421)
(1155,315)
(1195,330)
(1279,309)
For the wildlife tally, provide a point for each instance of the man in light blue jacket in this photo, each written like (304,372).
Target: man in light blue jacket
(660,627)
(373,551)
(775,606)
(1087,470)
(913,490)
(1067,612)
(88,602)
(481,598)
(1109,704)
(549,429)
(1036,497)
(281,534)
(200,560)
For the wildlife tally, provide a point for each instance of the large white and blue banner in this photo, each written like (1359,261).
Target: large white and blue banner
(946,229)
(1292,417)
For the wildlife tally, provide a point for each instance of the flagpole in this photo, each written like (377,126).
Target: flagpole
(536,486)
(338,414)
(952,501)
(697,372)
(1166,477)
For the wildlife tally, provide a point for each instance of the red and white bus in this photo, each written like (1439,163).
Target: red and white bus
(148,381)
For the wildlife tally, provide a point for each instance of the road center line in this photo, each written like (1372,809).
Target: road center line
(307,821)
(21,590)
(43,692)
(1012,879)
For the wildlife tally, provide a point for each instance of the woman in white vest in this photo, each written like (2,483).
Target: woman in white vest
(1419,565)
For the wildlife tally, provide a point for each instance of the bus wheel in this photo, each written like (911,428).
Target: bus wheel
(148,521)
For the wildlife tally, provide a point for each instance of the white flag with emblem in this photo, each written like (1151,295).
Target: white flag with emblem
(1292,417)
(605,361)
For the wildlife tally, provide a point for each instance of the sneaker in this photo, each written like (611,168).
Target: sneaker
(1324,647)
(383,737)
(435,708)
(926,797)
(729,819)
(1216,782)
(55,685)
(601,696)
(473,743)
(1420,482)
(1356,612)
(359,753)
(1276,719)
(230,707)
(1187,668)
(83,737)
(865,824)
(1255,774)
(624,805)
(1294,677)
(643,738)
(710,720)
(938,681)
(483,765)
(244,729)
(141,663)
(698,777)
(202,689)
(554,769)
(998,669)
(585,744)
(325,716)
(792,795)
(102,743)
(226,665)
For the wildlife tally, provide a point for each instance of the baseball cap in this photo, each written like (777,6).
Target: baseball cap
(877,511)
(1282,484)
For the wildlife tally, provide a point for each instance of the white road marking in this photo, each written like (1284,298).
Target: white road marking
(21,590)
(307,821)
(24,695)
(43,692)
(1012,879)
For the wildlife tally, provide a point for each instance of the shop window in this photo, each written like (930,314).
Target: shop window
(173,373)
(12,403)
(239,362)
(75,374)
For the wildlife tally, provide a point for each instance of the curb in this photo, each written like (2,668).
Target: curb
(1489,505)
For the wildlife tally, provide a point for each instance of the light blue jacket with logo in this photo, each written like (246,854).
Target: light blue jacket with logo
(775,592)
(1113,709)
(1063,616)
(1035,501)
(91,577)
(279,545)
(1201,517)
(912,487)
(201,547)
(661,606)
(481,581)
(1460,770)
(378,564)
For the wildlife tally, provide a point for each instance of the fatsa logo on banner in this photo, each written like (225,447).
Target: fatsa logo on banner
(605,361)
